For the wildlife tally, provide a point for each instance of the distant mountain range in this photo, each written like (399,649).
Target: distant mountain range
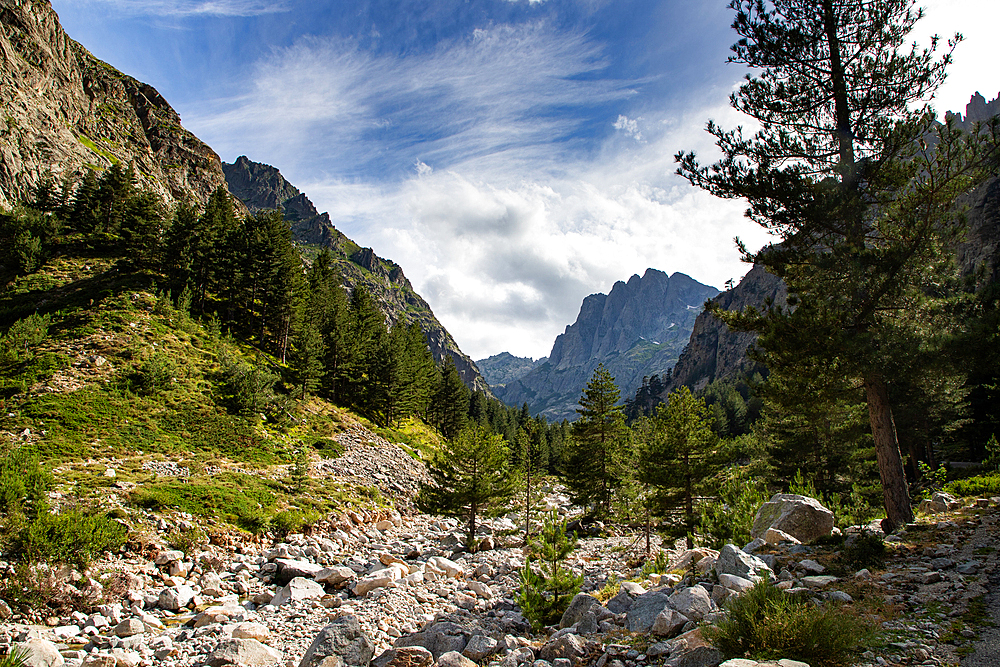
(636,330)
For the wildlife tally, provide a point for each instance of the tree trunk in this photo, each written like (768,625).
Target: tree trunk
(890,464)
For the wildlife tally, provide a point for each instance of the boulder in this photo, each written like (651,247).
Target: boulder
(438,638)
(694,602)
(580,605)
(211,585)
(289,569)
(454,659)
(40,653)
(692,557)
(621,603)
(939,502)
(377,579)
(343,639)
(734,561)
(775,536)
(298,588)
(479,648)
(167,557)
(130,627)
(334,576)
(405,656)
(251,630)
(568,646)
(248,652)
(175,598)
(802,517)
(736,584)
(450,568)
(669,623)
(645,609)
(691,650)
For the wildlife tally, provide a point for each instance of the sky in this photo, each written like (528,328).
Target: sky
(513,156)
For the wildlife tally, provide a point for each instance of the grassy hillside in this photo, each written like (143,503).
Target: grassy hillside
(131,403)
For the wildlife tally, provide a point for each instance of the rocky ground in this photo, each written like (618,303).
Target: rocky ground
(398,590)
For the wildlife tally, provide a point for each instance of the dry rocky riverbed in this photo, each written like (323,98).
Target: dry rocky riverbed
(396,591)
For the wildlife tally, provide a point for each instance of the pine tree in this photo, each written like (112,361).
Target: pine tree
(841,172)
(676,458)
(590,470)
(545,594)
(470,475)
(449,406)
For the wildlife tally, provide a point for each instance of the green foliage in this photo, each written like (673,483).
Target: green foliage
(153,374)
(765,623)
(246,389)
(291,521)
(471,475)
(864,549)
(72,536)
(676,459)
(449,407)
(992,461)
(547,590)
(23,484)
(930,480)
(656,565)
(600,430)
(242,500)
(23,336)
(299,474)
(980,485)
(18,657)
(188,540)
(728,517)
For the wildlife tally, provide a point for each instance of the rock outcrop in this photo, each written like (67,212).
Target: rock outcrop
(636,330)
(63,111)
(261,187)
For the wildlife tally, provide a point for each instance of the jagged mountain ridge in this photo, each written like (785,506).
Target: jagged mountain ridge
(505,367)
(636,330)
(64,111)
(260,186)
(715,352)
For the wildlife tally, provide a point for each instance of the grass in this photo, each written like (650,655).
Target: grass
(765,623)
(980,485)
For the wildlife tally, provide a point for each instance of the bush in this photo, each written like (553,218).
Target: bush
(24,335)
(729,517)
(291,521)
(71,537)
(866,549)
(765,623)
(154,374)
(980,485)
(18,657)
(23,483)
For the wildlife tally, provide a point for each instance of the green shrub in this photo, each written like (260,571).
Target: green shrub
(72,537)
(23,483)
(992,461)
(240,500)
(24,335)
(188,540)
(291,521)
(728,518)
(18,657)
(980,485)
(866,549)
(765,623)
(154,374)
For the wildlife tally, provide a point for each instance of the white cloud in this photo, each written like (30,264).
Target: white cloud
(186,8)
(630,126)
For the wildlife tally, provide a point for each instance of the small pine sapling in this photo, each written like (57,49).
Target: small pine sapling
(546,593)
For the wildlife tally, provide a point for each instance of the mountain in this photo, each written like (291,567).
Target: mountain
(636,330)
(64,111)
(502,368)
(261,186)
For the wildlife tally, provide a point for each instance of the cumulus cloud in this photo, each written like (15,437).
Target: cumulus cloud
(193,8)
(473,166)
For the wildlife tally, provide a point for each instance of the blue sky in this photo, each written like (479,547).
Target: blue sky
(512,156)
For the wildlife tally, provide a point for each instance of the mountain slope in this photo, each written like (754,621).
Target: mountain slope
(636,330)
(63,111)
(261,186)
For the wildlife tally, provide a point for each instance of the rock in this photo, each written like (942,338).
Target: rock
(754,545)
(669,623)
(100,660)
(968,567)
(289,569)
(251,630)
(249,652)
(734,561)
(211,585)
(438,638)
(450,568)
(802,517)
(775,536)
(568,646)
(454,659)
(5,611)
(334,576)
(479,648)
(818,581)
(175,598)
(645,609)
(621,603)
(167,557)
(298,588)
(40,653)
(130,627)
(736,584)
(939,502)
(578,606)
(377,579)
(481,589)
(692,557)
(633,588)
(405,656)
(693,602)
(691,650)
(343,639)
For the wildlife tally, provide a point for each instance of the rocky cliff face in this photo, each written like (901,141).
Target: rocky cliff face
(636,330)
(261,186)
(503,368)
(63,111)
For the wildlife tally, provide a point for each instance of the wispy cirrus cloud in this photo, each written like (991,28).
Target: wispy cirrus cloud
(192,8)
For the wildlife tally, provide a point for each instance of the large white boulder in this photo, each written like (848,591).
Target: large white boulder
(802,517)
